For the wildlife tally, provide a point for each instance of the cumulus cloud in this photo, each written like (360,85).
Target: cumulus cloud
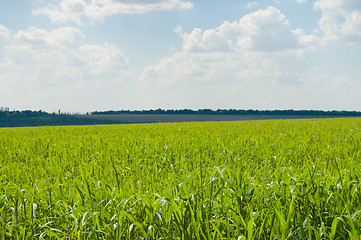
(4,32)
(237,59)
(259,61)
(59,64)
(264,30)
(340,20)
(63,47)
(208,41)
(75,10)
(243,44)
(238,80)
(55,38)
(102,59)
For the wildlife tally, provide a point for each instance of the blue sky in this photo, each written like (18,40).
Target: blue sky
(87,55)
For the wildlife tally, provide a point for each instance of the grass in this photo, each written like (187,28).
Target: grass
(284,179)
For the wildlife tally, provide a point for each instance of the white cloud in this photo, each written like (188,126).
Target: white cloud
(251,5)
(74,10)
(102,59)
(264,30)
(244,80)
(63,47)
(4,32)
(301,1)
(259,61)
(340,20)
(59,64)
(67,10)
(56,38)
(209,40)
(232,63)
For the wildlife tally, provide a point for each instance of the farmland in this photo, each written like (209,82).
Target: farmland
(157,118)
(272,179)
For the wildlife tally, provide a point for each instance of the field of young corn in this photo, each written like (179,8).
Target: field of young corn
(283,179)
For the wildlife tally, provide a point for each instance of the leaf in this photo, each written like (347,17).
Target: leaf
(333,228)
(355,214)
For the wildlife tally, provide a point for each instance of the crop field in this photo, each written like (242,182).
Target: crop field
(157,118)
(279,179)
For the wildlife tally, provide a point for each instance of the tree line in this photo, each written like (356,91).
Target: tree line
(235,112)
(42,118)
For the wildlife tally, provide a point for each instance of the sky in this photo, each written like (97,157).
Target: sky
(96,55)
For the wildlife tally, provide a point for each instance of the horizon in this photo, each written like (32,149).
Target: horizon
(85,56)
(59,111)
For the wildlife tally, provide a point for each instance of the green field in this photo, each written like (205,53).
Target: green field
(280,179)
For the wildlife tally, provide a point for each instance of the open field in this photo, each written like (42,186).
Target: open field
(156,118)
(277,179)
